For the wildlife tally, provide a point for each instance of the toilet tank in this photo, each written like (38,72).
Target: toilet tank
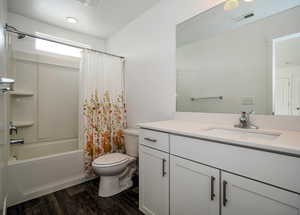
(131,141)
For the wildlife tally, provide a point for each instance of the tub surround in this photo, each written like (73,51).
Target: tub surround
(287,141)
(33,106)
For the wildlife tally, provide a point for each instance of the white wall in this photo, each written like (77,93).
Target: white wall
(149,44)
(32,26)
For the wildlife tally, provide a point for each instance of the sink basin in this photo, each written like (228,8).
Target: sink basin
(243,134)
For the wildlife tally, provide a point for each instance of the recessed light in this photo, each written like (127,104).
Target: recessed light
(72,20)
(231,4)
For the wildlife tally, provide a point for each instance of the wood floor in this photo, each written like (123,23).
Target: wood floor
(80,199)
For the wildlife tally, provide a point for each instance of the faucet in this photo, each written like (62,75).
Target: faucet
(16,141)
(244,121)
(12,128)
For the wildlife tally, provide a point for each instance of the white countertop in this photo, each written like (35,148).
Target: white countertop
(288,141)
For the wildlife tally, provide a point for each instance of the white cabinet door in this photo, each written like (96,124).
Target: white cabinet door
(194,188)
(154,181)
(283,97)
(247,197)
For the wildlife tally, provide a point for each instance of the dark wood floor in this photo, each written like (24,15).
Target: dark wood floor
(80,199)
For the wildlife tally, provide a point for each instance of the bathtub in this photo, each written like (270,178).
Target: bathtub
(29,151)
(39,169)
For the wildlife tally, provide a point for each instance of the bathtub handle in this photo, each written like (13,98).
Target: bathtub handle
(16,141)
(12,128)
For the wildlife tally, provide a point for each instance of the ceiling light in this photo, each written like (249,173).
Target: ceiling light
(231,4)
(72,20)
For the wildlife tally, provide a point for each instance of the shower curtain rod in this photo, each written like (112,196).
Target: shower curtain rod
(21,34)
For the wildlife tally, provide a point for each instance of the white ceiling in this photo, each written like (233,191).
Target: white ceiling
(102,20)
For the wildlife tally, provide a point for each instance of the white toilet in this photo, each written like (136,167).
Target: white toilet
(116,169)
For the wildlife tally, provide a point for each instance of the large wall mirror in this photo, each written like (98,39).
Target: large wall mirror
(241,55)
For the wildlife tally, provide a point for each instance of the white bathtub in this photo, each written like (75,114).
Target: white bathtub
(44,168)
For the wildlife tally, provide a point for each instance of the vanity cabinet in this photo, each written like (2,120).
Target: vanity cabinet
(154,181)
(194,188)
(183,175)
(244,196)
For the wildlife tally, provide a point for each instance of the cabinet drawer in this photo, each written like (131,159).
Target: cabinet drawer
(154,139)
(276,169)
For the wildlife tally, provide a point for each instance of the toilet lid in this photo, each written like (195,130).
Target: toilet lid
(110,159)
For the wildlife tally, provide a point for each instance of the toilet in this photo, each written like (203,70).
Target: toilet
(116,169)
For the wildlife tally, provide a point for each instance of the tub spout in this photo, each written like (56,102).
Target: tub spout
(16,141)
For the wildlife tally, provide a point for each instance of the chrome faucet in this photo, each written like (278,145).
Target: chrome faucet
(16,141)
(244,121)
(12,128)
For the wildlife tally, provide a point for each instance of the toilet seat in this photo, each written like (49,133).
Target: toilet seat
(111,159)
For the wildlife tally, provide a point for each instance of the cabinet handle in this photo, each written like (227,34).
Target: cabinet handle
(224,193)
(212,188)
(150,139)
(164,167)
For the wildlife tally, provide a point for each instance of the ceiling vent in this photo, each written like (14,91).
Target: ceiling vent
(243,17)
(90,3)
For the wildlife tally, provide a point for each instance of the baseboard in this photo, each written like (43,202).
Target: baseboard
(47,189)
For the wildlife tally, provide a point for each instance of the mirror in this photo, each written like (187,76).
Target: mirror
(242,58)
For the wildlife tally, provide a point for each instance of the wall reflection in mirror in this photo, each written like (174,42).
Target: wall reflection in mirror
(245,58)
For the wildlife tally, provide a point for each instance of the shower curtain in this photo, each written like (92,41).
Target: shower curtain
(102,106)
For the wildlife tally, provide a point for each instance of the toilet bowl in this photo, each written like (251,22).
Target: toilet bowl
(116,169)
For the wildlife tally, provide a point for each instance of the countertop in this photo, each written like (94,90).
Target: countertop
(287,143)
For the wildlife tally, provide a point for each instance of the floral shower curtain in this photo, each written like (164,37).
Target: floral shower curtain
(102,106)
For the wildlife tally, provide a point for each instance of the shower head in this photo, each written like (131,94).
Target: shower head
(21,36)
